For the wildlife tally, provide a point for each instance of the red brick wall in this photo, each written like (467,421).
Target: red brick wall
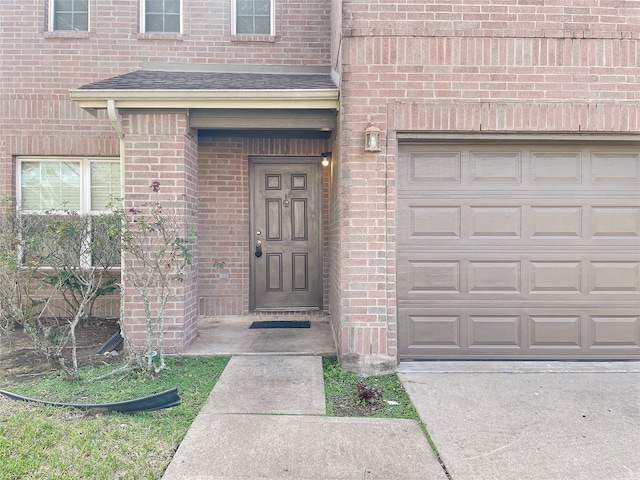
(38,67)
(160,147)
(223,216)
(567,66)
(37,117)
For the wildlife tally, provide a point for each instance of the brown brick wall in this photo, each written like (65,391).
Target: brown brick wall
(495,18)
(471,66)
(223,216)
(38,67)
(413,66)
(51,62)
(37,117)
(160,147)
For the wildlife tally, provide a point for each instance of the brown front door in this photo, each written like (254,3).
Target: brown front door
(286,268)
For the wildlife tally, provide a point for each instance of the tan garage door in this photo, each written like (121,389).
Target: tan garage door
(518,251)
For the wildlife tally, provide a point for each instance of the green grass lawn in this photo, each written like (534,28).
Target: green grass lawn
(41,442)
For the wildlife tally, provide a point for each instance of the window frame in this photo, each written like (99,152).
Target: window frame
(143,20)
(272,20)
(52,18)
(84,189)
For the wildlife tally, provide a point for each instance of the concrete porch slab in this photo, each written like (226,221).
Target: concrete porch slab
(232,336)
(272,384)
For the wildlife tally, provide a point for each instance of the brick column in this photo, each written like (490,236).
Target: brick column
(363,271)
(160,148)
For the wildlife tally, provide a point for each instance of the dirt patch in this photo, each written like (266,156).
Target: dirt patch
(22,362)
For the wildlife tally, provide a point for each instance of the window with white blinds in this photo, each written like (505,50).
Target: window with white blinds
(50,185)
(105,184)
(84,185)
(53,186)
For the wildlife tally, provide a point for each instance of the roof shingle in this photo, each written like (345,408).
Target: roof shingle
(161,80)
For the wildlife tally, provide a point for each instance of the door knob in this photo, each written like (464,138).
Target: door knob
(258,248)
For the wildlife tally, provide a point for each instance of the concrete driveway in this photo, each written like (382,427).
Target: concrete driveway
(531,420)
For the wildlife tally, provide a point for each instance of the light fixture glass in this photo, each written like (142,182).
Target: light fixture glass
(326,158)
(372,138)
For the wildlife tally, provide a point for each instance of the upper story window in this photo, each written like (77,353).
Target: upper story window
(70,15)
(162,16)
(253,17)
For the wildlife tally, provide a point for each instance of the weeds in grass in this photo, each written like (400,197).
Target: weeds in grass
(349,394)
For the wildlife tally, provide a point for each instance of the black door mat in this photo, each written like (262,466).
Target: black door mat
(282,324)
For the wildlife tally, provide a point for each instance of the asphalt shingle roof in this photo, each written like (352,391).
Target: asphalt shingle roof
(161,80)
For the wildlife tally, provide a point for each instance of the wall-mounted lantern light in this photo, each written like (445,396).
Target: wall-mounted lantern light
(326,158)
(372,138)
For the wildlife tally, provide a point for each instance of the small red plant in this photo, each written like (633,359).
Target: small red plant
(366,393)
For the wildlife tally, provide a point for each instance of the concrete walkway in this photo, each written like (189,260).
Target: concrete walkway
(489,421)
(263,420)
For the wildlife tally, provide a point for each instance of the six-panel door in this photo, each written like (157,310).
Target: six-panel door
(286,213)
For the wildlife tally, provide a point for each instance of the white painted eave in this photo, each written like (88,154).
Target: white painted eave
(92,100)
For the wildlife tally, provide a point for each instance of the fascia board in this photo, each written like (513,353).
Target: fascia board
(292,98)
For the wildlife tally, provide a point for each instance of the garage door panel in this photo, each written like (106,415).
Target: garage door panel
(614,222)
(611,331)
(556,167)
(467,275)
(485,167)
(433,331)
(494,277)
(577,221)
(555,332)
(613,167)
(434,168)
(495,167)
(497,221)
(555,222)
(518,251)
(555,277)
(481,332)
(433,276)
(494,331)
(614,277)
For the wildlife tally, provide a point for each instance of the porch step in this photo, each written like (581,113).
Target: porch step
(270,384)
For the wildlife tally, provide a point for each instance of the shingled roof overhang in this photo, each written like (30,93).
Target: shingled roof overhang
(204,87)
